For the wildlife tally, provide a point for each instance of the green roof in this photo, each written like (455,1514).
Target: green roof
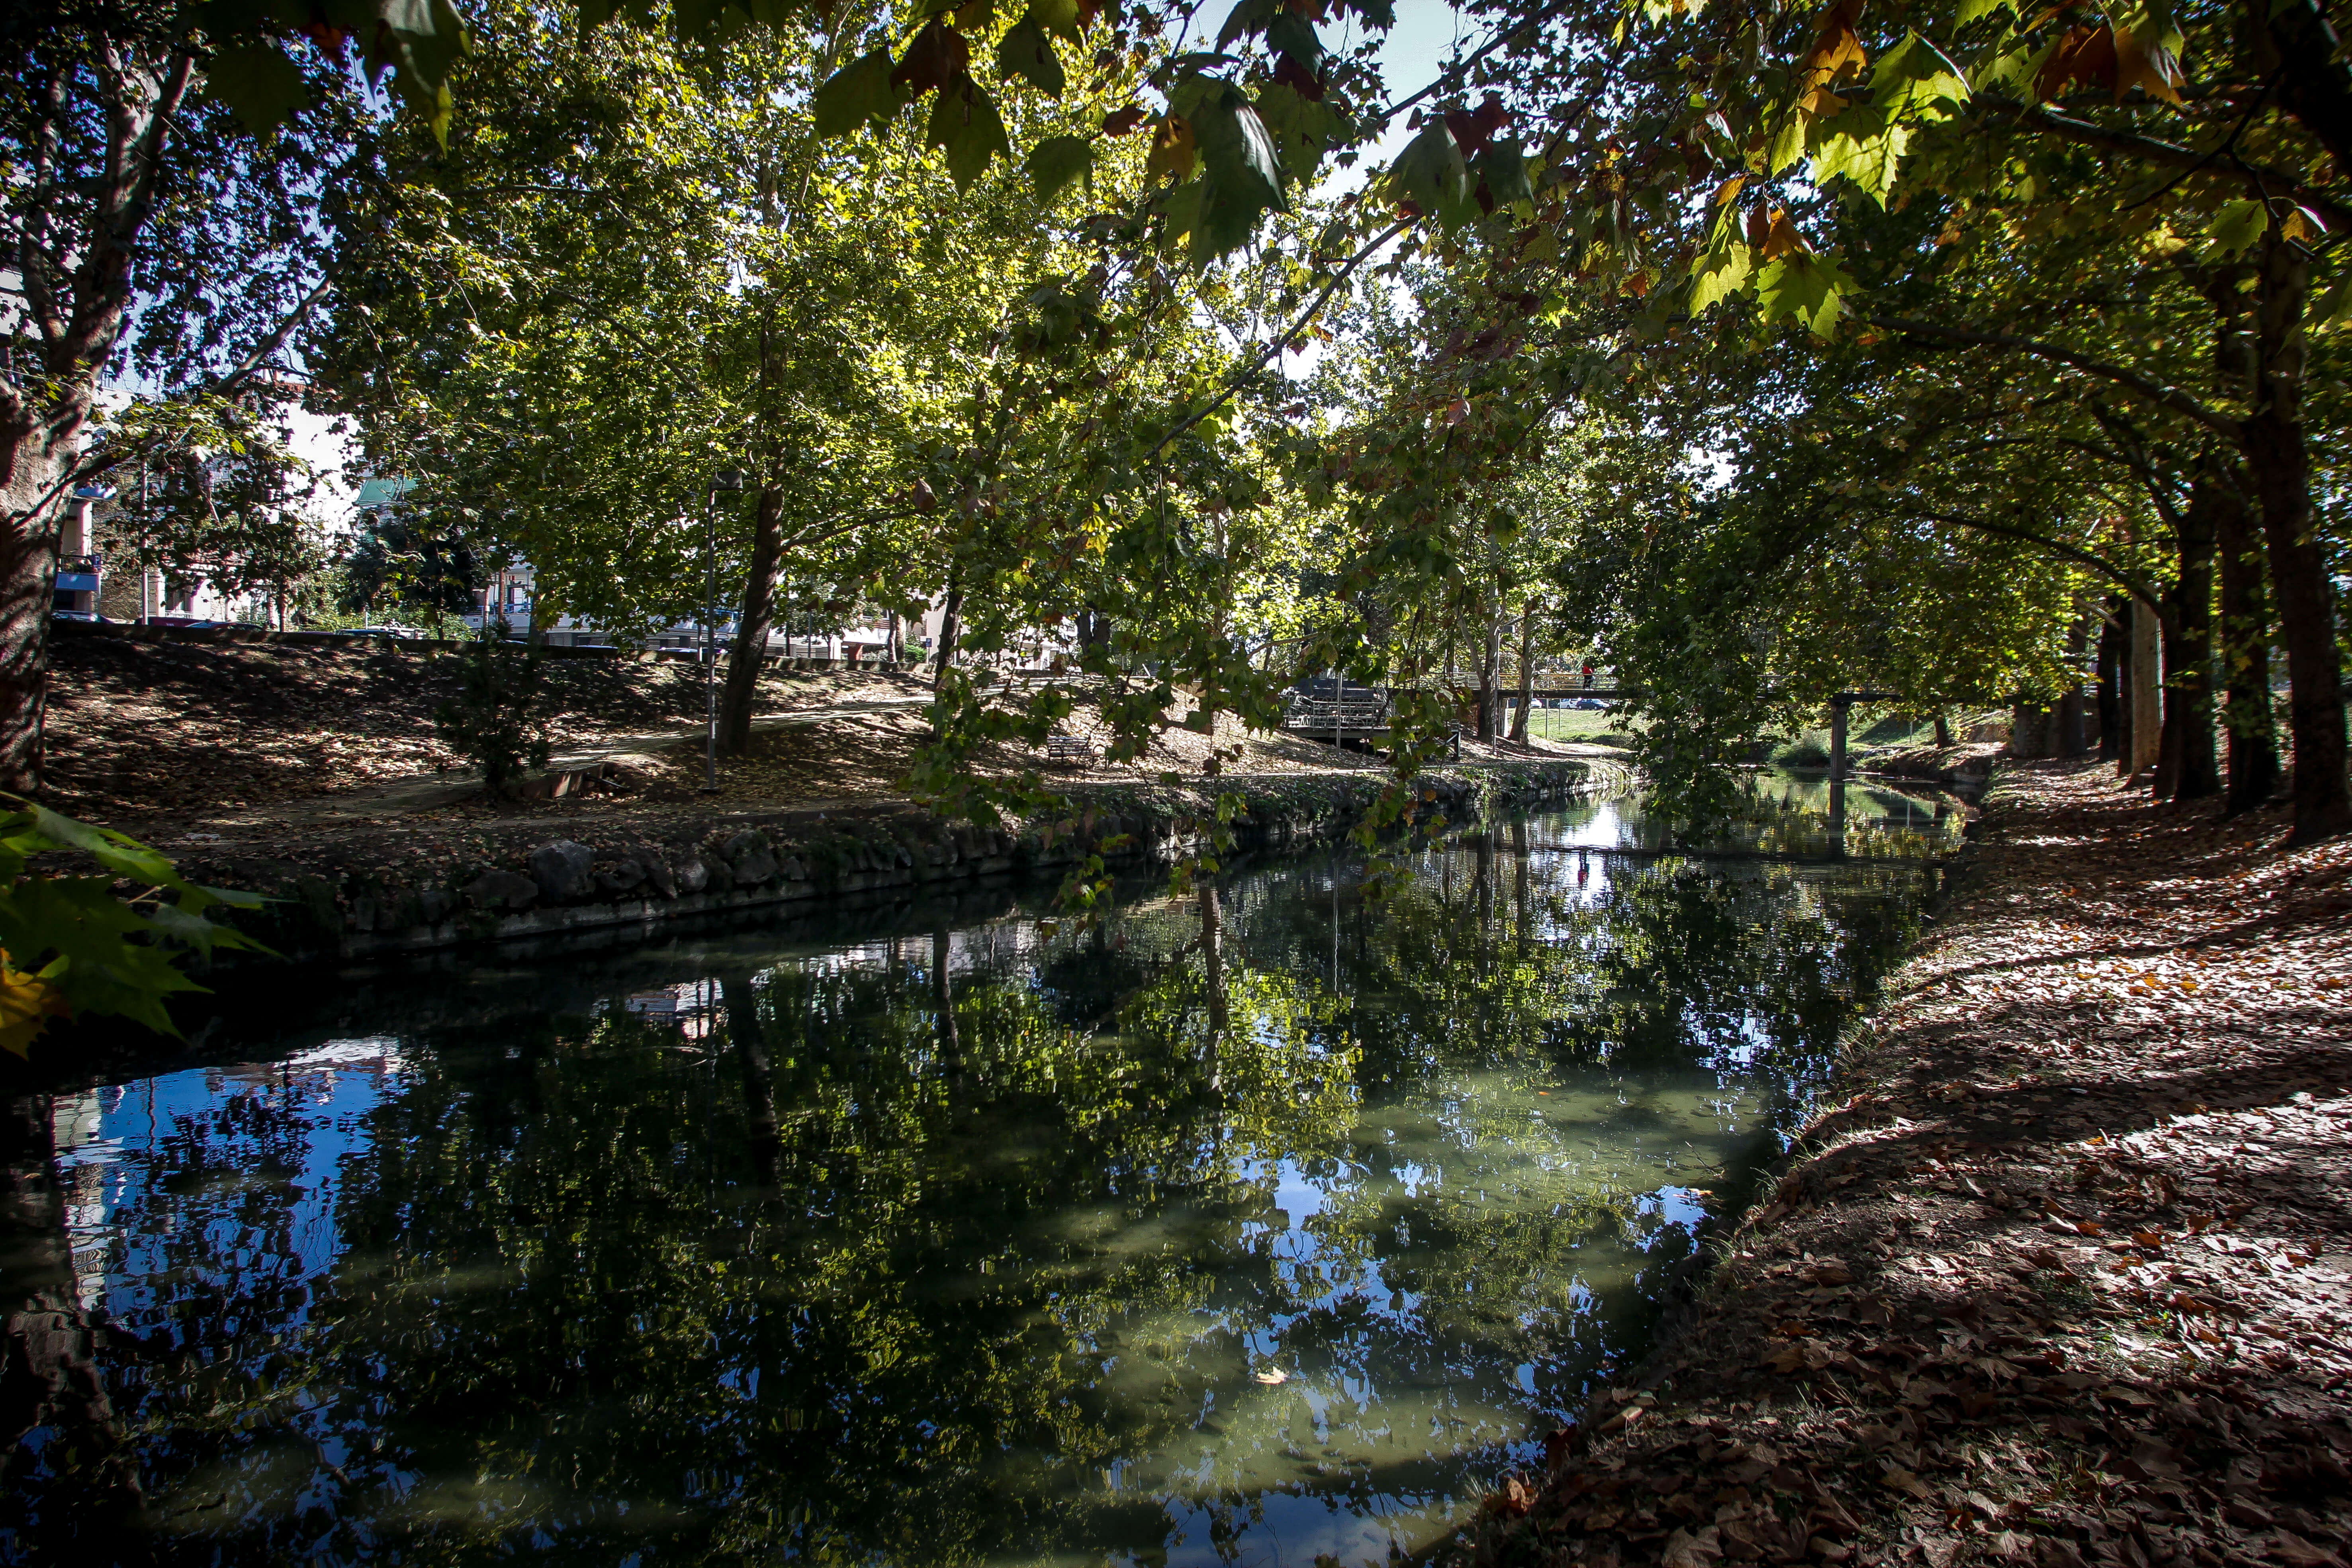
(383,492)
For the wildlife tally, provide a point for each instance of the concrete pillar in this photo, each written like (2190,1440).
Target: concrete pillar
(1838,708)
(2146,694)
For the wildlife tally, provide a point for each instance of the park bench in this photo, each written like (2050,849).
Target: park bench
(1327,710)
(1070,752)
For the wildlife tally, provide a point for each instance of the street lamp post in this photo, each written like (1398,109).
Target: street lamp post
(731,481)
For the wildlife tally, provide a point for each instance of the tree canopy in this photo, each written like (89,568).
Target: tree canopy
(1765,352)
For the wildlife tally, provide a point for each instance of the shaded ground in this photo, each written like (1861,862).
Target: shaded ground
(197,744)
(140,734)
(865,755)
(2063,1278)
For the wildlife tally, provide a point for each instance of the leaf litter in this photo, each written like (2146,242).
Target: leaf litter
(2061,1274)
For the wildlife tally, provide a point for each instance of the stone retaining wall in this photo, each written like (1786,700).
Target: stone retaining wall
(645,874)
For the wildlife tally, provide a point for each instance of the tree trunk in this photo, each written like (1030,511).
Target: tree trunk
(2296,47)
(2143,695)
(1212,960)
(1943,730)
(1526,673)
(2071,742)
(950,619)
(45,399)
(1093,630)
(32,463)
(2196,771)
(759,1075)
(2169,742)
(949,1047)
(1490,672)
(2112,718)
(51,1374)
(2280,463)
(2245,639)
(750,651)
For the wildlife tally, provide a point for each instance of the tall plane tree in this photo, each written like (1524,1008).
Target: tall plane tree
(166,164)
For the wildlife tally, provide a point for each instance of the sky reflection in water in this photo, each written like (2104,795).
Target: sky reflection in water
(1171,1241)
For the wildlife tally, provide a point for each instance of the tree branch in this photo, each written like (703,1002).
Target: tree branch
(2146,387)
(2170,154)
(2130,582)
(1234,383)
(231,381)
(1455,72)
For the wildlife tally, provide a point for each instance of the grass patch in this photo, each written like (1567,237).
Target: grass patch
(1579,725)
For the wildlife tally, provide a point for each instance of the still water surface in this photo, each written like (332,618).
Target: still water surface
(1246,1229)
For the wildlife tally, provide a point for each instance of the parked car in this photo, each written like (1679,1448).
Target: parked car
(383,631)
(1589,705)
(80,616)
(191,621)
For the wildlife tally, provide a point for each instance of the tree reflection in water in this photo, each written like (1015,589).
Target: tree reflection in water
(1272,1215)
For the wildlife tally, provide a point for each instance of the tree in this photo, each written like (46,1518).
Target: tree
(219,495)
(150,228)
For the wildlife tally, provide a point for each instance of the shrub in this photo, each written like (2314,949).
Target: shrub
(494,721)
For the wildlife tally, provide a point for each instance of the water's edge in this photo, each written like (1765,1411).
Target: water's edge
(1685,1306)
(647,877)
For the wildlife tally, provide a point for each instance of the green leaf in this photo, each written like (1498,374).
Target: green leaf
(259,84)
(1247,17)
(858,94)
(1719,273)
(1915,79)
(1430,173)
(1502,167)
(1788,142)
(423,40)
(1302,130)
(1057,16)
(2236,226)
(1295,35)
(1057,160)
(1863,147)
(123,856)
(1228,219)
(1976,10)
(1804,287)
(1181,203)
(966,126)
(1027,53)
(1237,147)
(2327,308)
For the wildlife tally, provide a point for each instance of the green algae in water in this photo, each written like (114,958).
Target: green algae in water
(1168,1241)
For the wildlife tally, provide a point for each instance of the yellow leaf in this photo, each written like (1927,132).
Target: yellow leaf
(2148,65)
(1172,150)
(28,1003)
(1780,236)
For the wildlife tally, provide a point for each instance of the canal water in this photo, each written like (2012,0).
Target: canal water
(1268,1226)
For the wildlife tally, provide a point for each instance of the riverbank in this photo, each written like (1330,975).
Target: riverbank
(361,892)
(2057,1274)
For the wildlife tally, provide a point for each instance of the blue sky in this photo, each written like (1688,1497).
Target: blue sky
(1415,51)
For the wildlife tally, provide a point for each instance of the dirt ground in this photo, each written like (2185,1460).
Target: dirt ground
(238,738)
(138,731)
(2064,1275)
